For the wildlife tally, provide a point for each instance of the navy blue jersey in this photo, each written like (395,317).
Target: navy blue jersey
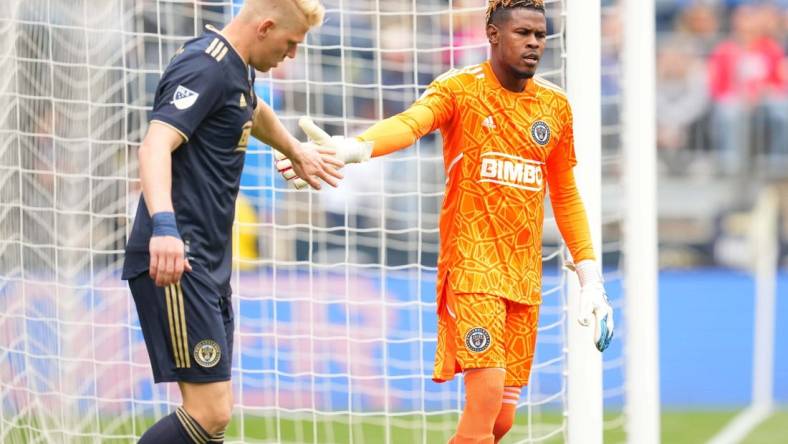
(206,94)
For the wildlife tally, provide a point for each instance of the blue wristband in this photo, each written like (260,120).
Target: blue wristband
(164,224)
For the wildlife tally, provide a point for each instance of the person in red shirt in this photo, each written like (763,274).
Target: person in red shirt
(747,77)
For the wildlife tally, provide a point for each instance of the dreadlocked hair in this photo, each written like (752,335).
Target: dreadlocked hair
(495,5)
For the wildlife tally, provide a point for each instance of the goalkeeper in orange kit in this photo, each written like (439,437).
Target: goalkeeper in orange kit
(507,138)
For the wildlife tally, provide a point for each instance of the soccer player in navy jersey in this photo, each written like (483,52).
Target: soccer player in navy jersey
(178,258)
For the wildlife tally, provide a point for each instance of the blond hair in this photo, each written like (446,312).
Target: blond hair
(313,11)
(309,12)
(495,5)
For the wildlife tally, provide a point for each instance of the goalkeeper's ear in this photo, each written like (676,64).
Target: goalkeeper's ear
(313,132)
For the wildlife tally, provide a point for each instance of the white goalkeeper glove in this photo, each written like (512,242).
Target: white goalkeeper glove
(594,306)
(345,149)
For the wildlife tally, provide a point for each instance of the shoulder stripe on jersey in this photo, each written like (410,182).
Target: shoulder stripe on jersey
(211,46)
(549,85)
(219,47)
(475,70)
(222,54)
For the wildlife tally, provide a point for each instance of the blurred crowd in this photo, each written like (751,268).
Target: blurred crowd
(722,87)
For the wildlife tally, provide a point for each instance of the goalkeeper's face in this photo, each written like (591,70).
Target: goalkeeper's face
(276,41)
(518,38)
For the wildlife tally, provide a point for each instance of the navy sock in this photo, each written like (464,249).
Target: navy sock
(179,428)
(168,430)
(195,430)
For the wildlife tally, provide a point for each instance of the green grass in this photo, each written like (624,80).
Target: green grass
(773,430)
(678,427)
(693,427)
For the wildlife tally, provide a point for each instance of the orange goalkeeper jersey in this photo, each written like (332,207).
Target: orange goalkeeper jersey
(500,150)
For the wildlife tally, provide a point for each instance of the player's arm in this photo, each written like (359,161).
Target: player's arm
(430,112)
(570,215)
(190,90)
(167,258)
(309,164)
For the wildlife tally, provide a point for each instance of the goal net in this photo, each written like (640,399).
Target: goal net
(334,291)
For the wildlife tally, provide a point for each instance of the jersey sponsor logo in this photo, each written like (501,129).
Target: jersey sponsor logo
(477,340)
(489,123)
(243,142)
(513,171)
(540,132)
(207,353)
(184,98)
(242,102)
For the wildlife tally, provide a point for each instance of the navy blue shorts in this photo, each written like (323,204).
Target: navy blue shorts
(188,328)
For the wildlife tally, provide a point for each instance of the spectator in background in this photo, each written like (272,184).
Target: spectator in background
(612,32)
(747,81)
(700,22)
(682,100)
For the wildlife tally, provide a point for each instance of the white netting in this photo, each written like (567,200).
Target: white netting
(333,291)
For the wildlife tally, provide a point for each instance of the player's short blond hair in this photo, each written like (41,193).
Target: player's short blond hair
(494,5)
(313,11)
(309,12)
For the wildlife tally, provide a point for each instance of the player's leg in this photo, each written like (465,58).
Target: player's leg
(185,331)
(520,333)
(214,415)
(208,407)
(483,397)
(505,419)
(471,328)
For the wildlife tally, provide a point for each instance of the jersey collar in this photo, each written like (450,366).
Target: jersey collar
(530,86)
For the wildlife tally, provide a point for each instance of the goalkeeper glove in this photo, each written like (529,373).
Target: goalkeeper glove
(345,149)
(594,305)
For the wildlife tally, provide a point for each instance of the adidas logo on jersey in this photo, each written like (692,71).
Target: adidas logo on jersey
(489,123)
(184,98)
(505,169)
(243,101)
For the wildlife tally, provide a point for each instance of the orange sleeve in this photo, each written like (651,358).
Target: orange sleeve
(428,113)
(570,213)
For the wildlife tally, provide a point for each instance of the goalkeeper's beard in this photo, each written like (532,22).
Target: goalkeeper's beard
(524,75)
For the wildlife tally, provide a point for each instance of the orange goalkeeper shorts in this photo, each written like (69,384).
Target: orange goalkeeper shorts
(485,331)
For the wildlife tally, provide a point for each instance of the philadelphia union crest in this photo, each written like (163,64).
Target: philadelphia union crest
(207,353)
(477,340)
(540,132)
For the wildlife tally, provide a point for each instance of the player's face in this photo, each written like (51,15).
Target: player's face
(275,42)
(519,41)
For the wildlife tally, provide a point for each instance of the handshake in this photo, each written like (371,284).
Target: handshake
(336,151)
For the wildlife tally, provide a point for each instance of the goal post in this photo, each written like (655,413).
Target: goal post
(583,43)
(640,265)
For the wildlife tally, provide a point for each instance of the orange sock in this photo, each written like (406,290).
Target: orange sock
(505,419)
(483,397)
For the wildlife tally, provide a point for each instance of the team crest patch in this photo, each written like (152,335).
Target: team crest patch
(207,353)
(184,98)
(540,132)
(477,340)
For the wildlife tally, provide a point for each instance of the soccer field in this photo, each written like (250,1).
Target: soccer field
(678,427)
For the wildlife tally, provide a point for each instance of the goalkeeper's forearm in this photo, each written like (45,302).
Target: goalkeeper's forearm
(570,214)
(400,131)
